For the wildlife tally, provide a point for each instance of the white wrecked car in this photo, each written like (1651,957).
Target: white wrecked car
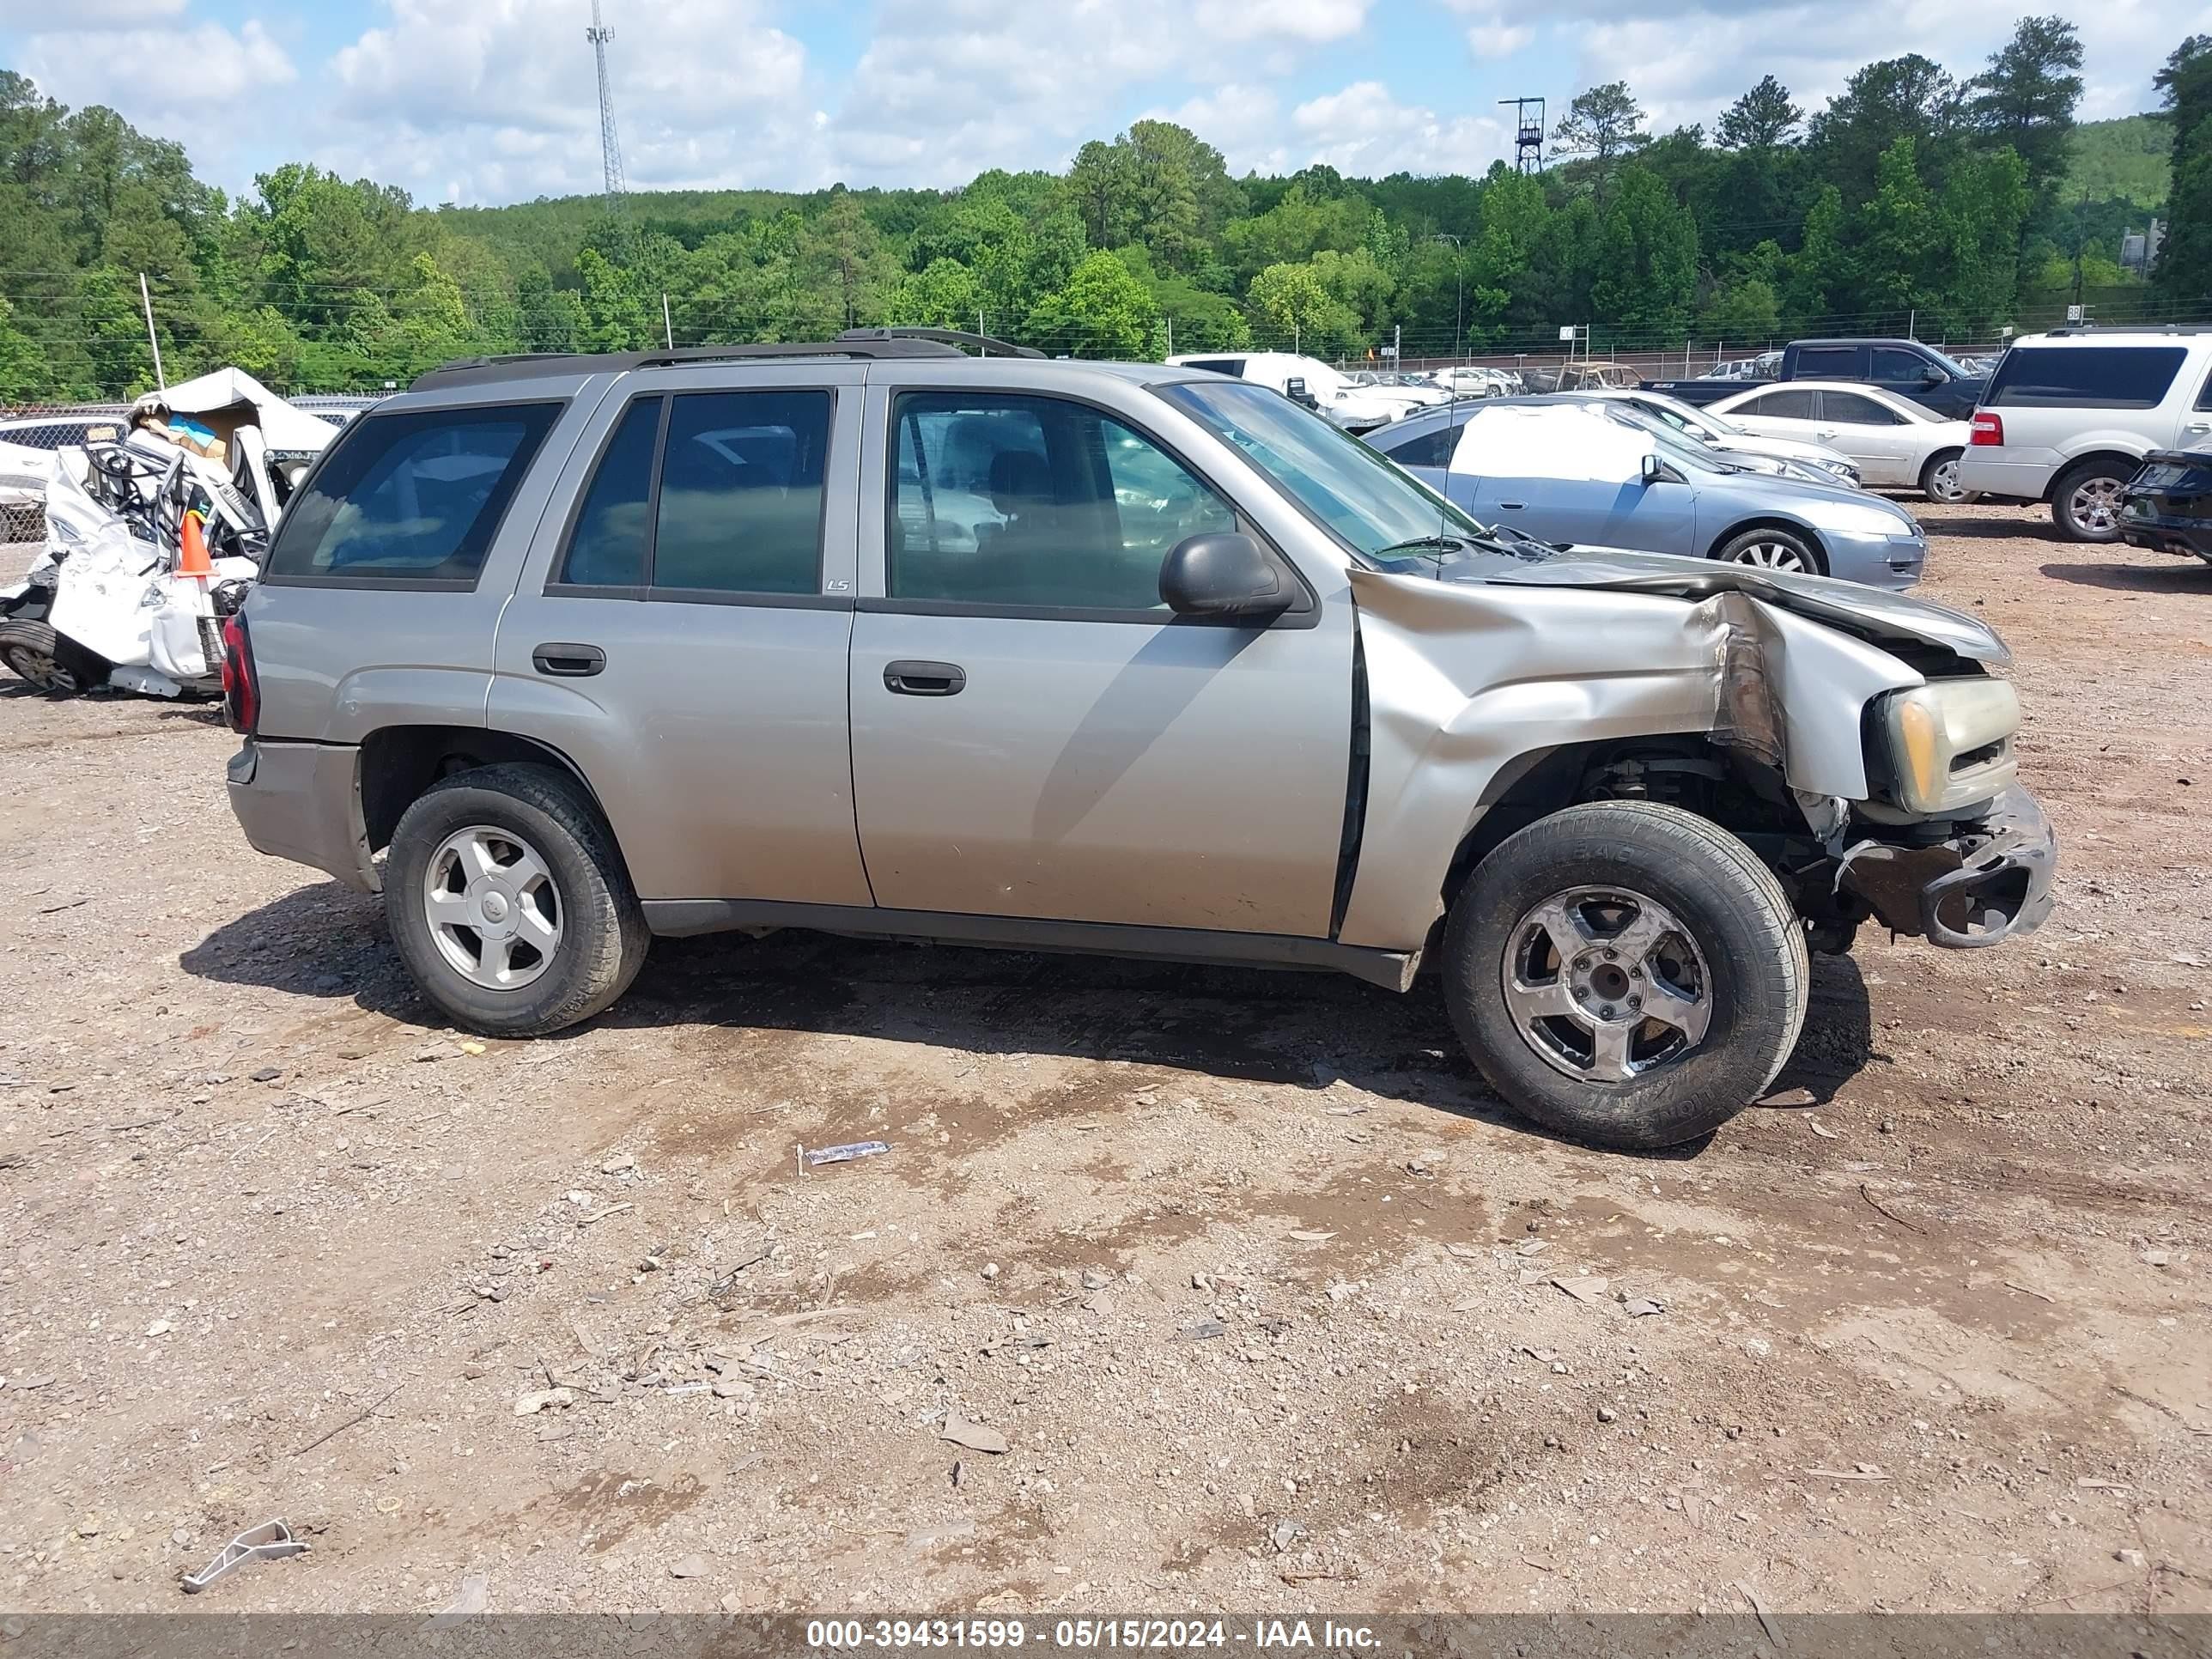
(152,538)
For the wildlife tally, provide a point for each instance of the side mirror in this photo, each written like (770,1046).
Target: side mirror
(1222,576)
(1932,375)
(1653,468)
(1295,389)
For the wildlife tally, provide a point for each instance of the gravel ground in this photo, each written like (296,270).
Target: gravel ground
(1180,1288)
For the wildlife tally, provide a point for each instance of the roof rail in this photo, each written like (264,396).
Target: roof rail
(951,337)
(878,343)
(487,371)
(2130,328)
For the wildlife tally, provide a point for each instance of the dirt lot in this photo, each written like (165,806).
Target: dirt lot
(1254,1280)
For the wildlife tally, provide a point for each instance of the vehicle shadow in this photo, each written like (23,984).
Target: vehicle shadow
(2006,528)
(2194,576)
(1304,1030)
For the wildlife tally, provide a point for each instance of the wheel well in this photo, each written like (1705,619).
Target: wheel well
(1788,526)
(2121,462)
(398,762)
(1686,769)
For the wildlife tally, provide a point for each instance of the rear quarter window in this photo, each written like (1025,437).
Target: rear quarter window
(1827,363)
(2085,377)
(411,498)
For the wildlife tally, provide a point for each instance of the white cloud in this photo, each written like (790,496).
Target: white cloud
(947,87)
(1243,122)
(505,89)
(85,15)
(1365,131)
(165,76)
(1498,39)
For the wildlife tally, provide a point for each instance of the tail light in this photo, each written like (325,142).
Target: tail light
(1989,430)
(241,685)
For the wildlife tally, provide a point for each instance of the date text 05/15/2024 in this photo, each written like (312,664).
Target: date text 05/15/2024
(1164,1635)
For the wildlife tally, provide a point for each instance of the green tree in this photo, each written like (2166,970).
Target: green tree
(24,373)
(549,318)
(1760,119)
(945,296)
(2185,263)
(1102,311)
(1910,97)
(1819,281)
(1745,310)
(1646,280)
(1293,310)
(1604,123)
(2026,98)
(1898,240)
(1984,204)
(845,259)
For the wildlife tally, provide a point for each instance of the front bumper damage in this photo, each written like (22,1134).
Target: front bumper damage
(1989,881)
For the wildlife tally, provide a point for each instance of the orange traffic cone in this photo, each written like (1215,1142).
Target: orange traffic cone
(192,557)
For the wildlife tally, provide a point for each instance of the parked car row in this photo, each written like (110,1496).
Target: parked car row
(1598,470)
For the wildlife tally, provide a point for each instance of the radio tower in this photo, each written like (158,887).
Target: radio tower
(610,145)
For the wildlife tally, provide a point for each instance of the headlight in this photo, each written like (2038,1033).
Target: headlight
(1858,519)
(1949,744)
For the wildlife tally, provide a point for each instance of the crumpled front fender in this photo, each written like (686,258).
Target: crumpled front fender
(1469,684)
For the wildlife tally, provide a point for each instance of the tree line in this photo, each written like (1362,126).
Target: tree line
(1914,195)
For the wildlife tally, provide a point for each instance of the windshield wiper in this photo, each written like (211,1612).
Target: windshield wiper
(1425,545)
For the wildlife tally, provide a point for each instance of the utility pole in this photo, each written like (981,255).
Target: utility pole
(146,299)
(1169,352)
(667,328)
(610,145)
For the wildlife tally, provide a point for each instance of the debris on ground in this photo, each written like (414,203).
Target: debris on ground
(844,1154)
(976,1436)
(270,1541)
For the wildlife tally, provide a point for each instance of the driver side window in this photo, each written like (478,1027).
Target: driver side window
(1004,500)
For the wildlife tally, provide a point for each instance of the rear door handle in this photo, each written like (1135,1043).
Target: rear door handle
(910,679)
(568,661)
(1515,507)
(2199,425)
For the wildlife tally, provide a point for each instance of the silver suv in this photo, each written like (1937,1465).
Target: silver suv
(879,638)
(2070,415)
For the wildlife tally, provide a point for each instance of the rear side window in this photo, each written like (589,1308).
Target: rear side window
(411,498)
(707,493)
(1781,405)
(1854,410)
(2085,377)
(1431,448)
(1827,363)
(1218,365)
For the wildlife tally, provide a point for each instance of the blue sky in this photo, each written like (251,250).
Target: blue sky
(492,101)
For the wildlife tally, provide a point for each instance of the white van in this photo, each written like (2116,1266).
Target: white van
(1312,382)
(2070,415)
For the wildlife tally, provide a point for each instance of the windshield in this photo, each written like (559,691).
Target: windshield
(1674,445)
(1362,499)
(1949,363)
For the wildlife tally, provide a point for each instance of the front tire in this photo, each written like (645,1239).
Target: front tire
(1626,974)
(1769,547)
(509,903)
(2085,502)
(39,657)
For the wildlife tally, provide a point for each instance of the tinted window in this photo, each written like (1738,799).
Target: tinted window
(1431,448)
(1035,501)
(1826,363)
(740,499)
(1218,365)
(411,497)
(2085,377)
(1781,405)
(1896,363)
(1854,410)
(607,547)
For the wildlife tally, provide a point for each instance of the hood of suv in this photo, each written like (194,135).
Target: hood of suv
(1869,612)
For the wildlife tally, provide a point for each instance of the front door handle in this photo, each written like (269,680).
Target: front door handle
(566,661)
(2199,425)
(925,679)
(1515,507)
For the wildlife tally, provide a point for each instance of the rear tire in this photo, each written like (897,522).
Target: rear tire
(1939,479)
(489,866)
(1769,547)
(1638,1035)
(2085,502)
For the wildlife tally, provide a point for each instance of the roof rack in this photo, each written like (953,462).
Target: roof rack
(873,343)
